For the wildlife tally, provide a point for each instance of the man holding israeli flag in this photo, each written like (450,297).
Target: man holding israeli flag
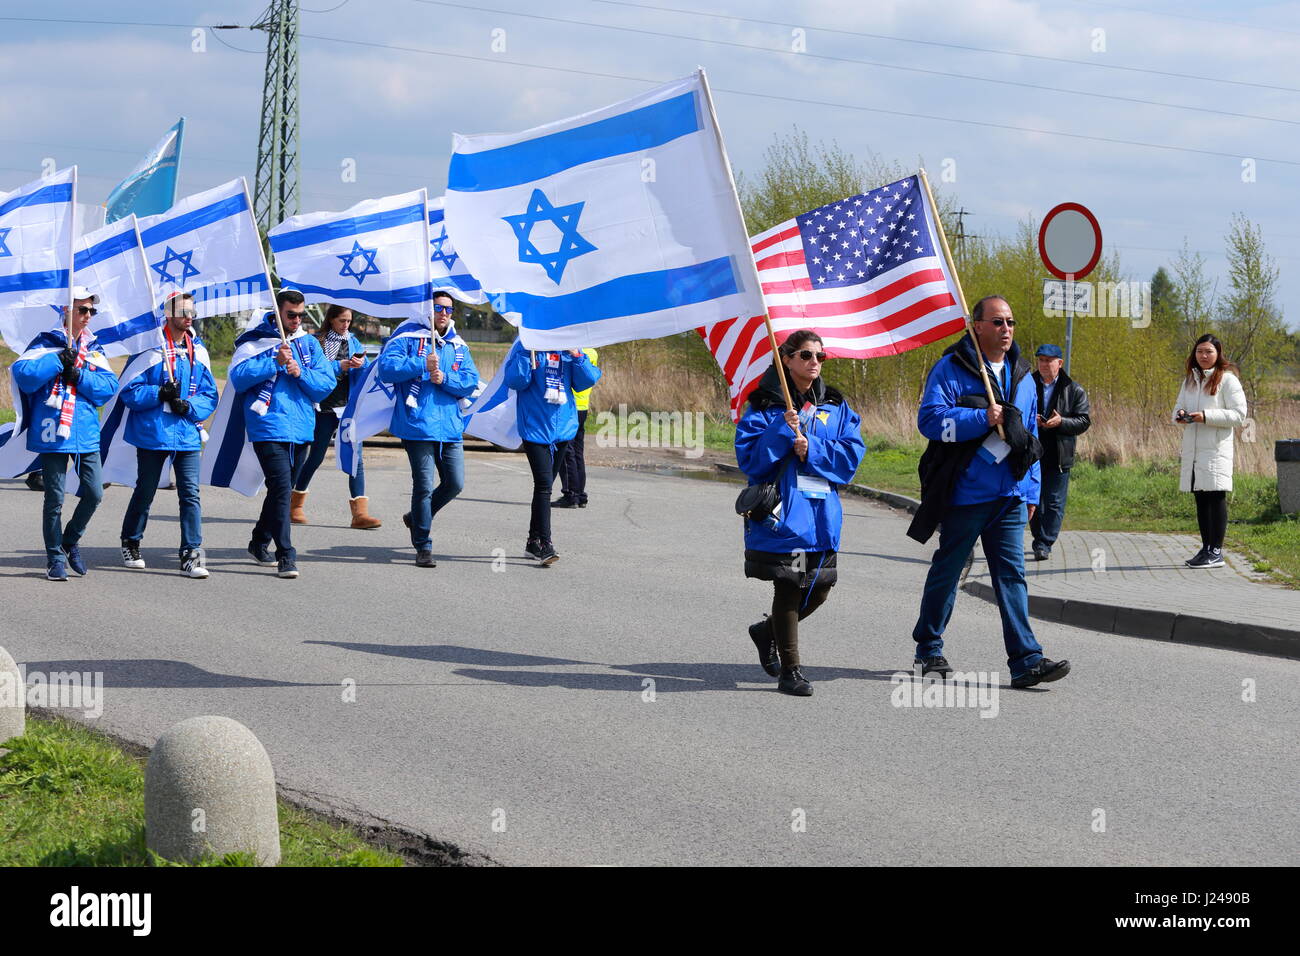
(619,224)
(372,258)
(166,395)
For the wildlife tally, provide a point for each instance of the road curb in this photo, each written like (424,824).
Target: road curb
(1156,625)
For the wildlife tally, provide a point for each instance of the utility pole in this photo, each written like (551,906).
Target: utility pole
(276,189)
(961,236)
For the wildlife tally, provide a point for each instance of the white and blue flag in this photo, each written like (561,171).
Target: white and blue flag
(36,243)
(618,224)
(208,245)
(447,270)
(150,188)
(373,258)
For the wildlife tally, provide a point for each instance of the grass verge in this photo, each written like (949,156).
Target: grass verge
(71,797)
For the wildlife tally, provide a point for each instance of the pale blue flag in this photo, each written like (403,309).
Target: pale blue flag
(619,224)
(151,186)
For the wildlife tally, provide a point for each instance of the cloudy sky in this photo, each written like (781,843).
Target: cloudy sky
(1163,100)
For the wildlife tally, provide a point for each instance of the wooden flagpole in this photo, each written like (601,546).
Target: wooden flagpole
(961,296)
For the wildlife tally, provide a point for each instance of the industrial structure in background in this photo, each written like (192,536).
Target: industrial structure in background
(276,187)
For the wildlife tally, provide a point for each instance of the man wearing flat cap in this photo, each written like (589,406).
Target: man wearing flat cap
(1063,416)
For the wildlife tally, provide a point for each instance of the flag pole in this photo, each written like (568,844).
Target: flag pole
(961,296)
(72,257)
(749,256)
(266,269)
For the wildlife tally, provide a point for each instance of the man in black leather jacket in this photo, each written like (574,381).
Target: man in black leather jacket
(1063,416)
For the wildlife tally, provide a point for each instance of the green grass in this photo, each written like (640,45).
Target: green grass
(70,797)
(6,415)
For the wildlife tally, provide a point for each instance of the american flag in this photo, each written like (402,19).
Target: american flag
(866,273)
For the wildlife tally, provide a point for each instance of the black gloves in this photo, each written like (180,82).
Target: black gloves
(69,359)
(71,375)
(180,406)
(168,391)
(1025,449)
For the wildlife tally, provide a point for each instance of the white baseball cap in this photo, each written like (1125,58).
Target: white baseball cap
(81,292)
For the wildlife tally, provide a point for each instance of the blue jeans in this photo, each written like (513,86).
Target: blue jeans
(327,423)
(149,466)
(1000,525)
(1046,522)
(448,458)
(54,466)
(280,461)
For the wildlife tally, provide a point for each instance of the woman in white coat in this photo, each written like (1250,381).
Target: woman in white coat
(1211,404)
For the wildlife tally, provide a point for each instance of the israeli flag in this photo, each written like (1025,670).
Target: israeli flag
(446,269)
(36,241)
(618,224)
(208,245)
(373,258)
(151,187)
(491,412)
(15,459)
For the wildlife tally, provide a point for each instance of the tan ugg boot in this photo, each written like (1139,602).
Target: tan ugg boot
(296,500)
(360,519)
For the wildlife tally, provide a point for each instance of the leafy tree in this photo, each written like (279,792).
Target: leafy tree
(1254,334)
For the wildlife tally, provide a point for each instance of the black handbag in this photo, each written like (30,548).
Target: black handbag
(758,502)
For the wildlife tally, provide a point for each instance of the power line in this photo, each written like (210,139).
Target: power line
(950,46)
(852,60)
(1187,16)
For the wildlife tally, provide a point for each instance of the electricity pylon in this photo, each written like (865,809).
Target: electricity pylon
(276,189)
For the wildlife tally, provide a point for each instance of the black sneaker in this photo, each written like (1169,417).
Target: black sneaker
(79,566)
(261,554)
(35,481)
(564,503)
(424,559)
(1199,555)
(763,638)
(192,564)
(286,568)
(1209,558)
(406,519)
(1045,671)
(533,548)
(793,682)
(582,503)
(547,555)
(938,664)
(131,554)
(1041,554)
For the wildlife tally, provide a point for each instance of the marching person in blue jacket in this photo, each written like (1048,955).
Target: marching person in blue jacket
(168,401)
(68,379)
(796,548)
(277,387)
(432,373)
(544,383)
(979,486)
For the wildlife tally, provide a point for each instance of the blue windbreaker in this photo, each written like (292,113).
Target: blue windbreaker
(764,446)
(436,416)
(539,420)
(956,375)
(35,374)
(291,416)
(152,424)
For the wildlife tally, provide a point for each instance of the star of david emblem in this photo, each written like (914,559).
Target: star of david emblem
(162,267)
(565,218)
(378,385)
(368,267)
(4,250)
(441,251)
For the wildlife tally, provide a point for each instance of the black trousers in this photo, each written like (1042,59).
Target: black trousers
(542,460)
(573,476)
(790,605)
(1212,516)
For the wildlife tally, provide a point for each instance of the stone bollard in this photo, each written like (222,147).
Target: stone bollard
(209,788)
(1287,455)
(13,699)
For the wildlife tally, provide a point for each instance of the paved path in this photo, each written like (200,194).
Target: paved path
(520,695)
(1137,583)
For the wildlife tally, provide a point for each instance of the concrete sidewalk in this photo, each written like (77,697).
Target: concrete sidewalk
(1137,584)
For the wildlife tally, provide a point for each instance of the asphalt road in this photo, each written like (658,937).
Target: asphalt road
(504,708)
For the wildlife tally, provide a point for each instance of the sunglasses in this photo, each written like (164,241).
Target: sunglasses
(185,314)
(87,310)
(444,309)
(808,354)
(295,315)
(1009,323)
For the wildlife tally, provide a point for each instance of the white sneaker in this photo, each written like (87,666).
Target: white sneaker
(192,564)
(131,555)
